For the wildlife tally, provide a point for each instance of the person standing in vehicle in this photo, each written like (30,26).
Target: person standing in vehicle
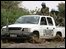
(44,10)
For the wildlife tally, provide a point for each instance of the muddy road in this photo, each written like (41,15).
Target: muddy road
(46,44)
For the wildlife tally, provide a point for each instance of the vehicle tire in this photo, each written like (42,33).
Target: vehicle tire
(58,37)
(34,39)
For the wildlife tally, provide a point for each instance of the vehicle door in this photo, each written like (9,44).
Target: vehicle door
(43,26)
(46,27)
(50,27)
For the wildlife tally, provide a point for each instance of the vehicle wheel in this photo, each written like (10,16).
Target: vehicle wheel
(34,39)
(58,38)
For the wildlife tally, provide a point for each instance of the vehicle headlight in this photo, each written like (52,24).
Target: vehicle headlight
(3,29)
(26,29)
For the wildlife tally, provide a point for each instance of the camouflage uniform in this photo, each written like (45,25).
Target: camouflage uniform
(44,9)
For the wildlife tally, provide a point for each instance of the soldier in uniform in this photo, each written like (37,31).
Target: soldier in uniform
(44,9)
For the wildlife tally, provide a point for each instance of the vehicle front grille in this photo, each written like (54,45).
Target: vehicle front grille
(14,28)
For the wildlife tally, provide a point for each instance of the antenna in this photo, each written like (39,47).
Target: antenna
(7,25)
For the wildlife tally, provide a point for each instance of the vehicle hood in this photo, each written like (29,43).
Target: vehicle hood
(22,25)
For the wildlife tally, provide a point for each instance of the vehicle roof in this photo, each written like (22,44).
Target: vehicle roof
(37,15)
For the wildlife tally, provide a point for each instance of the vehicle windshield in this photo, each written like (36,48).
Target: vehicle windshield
(28,20)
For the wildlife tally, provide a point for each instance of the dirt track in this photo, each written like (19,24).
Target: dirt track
(51,44)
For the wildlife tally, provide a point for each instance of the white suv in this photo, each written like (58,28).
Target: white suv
(33,26)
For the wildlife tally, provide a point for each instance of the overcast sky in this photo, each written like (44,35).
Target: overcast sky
(31,5)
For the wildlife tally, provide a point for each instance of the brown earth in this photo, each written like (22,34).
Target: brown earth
(46,44)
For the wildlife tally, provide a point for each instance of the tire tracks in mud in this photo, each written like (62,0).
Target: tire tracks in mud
(46,44)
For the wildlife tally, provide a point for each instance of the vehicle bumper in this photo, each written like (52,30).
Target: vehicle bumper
(18,36)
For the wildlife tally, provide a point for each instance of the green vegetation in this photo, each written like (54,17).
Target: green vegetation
(59,15)
(10,10)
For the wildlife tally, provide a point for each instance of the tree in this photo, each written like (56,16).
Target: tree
(35,12)
(10,10)
(59,15)
(61,8)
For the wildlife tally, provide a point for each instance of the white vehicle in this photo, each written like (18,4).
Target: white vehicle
(33,26)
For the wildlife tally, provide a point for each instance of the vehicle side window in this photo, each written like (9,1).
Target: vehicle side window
(43,21)
(49,21)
